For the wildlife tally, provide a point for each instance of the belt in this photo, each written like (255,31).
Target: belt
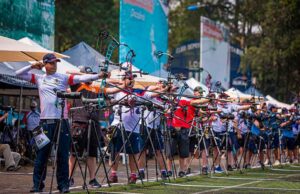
(180,129)
(49,121)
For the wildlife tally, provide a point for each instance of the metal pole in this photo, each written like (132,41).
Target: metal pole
(19,120)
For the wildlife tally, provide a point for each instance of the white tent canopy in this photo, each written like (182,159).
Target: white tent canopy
(271,100)
(16,51)
(62,67)
(141,81)
(192,83)
(240,96)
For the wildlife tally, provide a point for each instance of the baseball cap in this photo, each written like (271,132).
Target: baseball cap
(284,110)
(272,106)
(86,69)
(163,81)
(49,58)
(198,89)
(33,104)
(223,95)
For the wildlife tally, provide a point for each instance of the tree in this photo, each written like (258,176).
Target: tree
(81,20)
(267,30)
(274,56)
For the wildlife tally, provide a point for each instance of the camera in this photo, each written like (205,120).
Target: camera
(69,95)
(6,108)
(251,116)
(228,116)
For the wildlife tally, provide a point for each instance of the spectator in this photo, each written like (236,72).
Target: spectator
(11,158)
(33,117)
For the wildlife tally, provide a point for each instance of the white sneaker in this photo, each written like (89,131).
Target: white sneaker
(295,161)
(266,162)
(276,163)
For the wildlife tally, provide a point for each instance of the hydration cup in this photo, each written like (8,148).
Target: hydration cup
(41,140)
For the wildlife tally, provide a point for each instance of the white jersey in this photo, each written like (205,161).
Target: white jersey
(229,109)
(48,85)
(296,129)
(217,125)
(130,116)
(150,115)
(242,126)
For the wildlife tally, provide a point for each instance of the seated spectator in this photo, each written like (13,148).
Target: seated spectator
(11,158)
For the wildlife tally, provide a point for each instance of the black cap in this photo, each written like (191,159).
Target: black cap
(49,58)
(271,106)
(86,69)
(285,110)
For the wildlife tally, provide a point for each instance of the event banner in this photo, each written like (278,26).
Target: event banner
(215,51)
(186,59)
(144,28)
(32,18)
(239,79)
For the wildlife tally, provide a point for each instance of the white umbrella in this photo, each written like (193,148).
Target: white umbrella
(62,67)
(141,81)
(192,83)
(12,50)
(240,96)
(271,100)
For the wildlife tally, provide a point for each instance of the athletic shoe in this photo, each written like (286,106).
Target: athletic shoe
(181,174)
(141,174)
(13,168)
(229,168)
(164,175)
(295,161)
(267,162)
(189,170)
(247,166)
(218,169)
(276,163)
(94,183)
(169,173)
(204,171)
(262,165)
(35,190)
(132,179)
(64,190)
(113,178)
(71,182)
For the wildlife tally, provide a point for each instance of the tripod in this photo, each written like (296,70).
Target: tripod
(90,108)
(120,130)
(166,132)
(218,150)
(144,128)
(244,153)
(229,141)
(201,139)
(56,138)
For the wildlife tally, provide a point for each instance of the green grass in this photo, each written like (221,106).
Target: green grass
(283,180)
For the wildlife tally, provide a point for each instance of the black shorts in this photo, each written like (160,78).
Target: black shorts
(180,142)
(219,139)
(297,141)
(289,143)
(156,138)
(194,141)
(131,140)
(79,133)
